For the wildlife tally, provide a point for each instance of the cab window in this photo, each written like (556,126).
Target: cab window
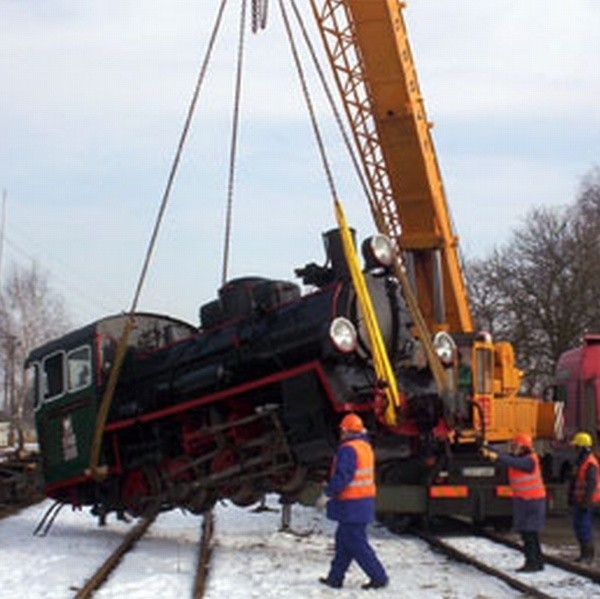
(53,375)
(484,365)
(79,368)
(33,385)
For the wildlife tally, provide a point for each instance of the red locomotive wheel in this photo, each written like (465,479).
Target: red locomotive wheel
(141,490)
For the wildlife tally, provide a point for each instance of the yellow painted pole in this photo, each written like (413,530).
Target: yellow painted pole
(97,472)
(381,360)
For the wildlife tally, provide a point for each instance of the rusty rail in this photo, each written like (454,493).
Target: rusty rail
(102,573)
(204,554)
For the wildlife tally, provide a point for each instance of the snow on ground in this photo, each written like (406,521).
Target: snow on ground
(55,566)
(252,558)
(552,581)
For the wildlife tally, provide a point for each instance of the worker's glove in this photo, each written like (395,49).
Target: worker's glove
(488,454)
(321,502)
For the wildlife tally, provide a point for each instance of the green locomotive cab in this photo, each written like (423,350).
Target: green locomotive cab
(69,375)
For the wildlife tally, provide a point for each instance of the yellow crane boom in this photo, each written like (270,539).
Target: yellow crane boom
(368,48)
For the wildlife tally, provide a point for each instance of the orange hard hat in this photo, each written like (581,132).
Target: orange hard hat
(524,440)
(352,422)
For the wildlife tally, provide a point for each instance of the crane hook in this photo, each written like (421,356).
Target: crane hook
(259,14)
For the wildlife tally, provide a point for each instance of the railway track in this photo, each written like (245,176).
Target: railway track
(204,555)
(100,576)
(569,566)
(129,542)
(498,556)
(253,552)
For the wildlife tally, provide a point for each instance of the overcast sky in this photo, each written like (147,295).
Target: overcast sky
(94,94)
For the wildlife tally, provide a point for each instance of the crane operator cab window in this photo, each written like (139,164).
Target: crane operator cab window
(483,367)
(465,371)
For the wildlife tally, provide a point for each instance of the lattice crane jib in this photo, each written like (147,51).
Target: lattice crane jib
(368,48)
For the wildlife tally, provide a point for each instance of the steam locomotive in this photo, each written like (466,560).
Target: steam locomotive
(248,403)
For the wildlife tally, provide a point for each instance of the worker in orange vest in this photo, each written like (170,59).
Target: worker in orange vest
(351,493)
(529,496)
(584,494)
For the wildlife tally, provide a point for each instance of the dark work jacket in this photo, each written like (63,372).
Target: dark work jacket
(347,510)
(529,515)
(590,479)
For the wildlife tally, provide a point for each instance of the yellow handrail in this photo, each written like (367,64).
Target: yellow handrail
(381,360)
(97,472)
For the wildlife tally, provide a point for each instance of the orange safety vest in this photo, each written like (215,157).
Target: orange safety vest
(362,484)
(527,485)
(579,489)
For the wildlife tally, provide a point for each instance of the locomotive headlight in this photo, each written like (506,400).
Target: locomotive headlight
(377,252)
(445,348)
(343,334)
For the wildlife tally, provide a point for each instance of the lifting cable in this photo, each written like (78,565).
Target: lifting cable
(308,100)
(259,14)
(121,351)
(334,109)
(234,136)
(438,372)
(381,360)
(433,360)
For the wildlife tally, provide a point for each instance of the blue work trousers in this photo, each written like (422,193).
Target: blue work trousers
(583,523)
(351,544)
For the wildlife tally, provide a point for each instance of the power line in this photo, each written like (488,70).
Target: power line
(90,300)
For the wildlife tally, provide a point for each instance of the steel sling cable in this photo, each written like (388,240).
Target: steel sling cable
(399,268)
(308,100)
(129,324)
(233,147)
(259,14)
(334,109)
(382,364)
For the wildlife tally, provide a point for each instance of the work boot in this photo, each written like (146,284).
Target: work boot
(375,584)
(329,582)
(530,567)
(588,552)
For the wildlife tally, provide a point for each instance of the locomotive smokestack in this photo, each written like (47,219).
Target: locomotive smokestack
(335,252)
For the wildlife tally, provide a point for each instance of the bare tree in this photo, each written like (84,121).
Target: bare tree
(541,290)
(30,314)
(585,216)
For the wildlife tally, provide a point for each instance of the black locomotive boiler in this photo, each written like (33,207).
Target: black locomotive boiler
(246,404)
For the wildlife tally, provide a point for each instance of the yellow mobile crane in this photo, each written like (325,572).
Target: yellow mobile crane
(368,48)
